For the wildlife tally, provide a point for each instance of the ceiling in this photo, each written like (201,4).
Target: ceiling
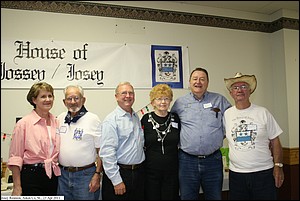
(262,7)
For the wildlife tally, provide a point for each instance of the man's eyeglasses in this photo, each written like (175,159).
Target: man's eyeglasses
(124,93)
(242,87)
(162,99)
(76,99)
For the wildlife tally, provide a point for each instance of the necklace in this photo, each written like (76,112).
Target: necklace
(161,134)
(156,124)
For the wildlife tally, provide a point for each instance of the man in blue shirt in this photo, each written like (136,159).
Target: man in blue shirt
(122,150)
(201,137)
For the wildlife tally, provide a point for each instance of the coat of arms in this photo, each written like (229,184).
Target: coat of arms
(167,66)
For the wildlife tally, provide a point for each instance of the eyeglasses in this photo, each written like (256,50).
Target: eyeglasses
(76,99)
(124,93)
(242,87)
(162,99)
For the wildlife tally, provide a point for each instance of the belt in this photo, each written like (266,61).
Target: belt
(130,167)
(76,169)
(202,156)
(40,165)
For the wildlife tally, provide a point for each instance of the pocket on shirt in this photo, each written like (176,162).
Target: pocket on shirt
(124,132)
(214,120)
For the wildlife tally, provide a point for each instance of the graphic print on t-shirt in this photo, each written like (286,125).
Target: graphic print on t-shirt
(78,132)
(244,135)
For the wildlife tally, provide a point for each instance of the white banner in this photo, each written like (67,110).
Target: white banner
(91,65)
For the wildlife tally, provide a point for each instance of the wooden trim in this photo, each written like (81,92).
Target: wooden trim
(147,14)
(290,156)
(4,167)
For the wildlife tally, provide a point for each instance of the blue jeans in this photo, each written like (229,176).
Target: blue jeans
(252,186)
(205,172)
(75,185)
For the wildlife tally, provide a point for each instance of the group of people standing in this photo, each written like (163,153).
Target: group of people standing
(167,155)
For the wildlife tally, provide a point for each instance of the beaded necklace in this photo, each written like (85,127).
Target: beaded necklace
(161,134)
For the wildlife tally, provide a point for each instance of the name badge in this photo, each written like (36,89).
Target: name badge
(63,129)
(207,105)
(174,124)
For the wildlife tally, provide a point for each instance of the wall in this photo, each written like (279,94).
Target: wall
(285,81)
(223,52)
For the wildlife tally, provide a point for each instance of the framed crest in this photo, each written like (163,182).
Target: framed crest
(167,65)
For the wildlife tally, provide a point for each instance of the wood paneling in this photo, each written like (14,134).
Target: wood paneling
(290,188)
(291,156)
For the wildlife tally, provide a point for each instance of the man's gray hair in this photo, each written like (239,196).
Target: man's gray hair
(121,84)
(74,86)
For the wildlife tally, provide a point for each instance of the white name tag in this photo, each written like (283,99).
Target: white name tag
(174,125)
(63,129)
(207,105)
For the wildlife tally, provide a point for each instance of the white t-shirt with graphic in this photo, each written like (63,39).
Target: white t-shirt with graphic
(249,132)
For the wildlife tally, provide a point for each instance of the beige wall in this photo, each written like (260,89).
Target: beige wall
(285,84)
(273,58)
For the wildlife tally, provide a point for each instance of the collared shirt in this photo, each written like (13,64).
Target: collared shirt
(201,122)
(31,144)
(122,142)
(79,140)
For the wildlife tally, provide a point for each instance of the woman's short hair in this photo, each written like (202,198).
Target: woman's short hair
(35,90)
(161,90)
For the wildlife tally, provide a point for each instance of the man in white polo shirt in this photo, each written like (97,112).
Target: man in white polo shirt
(80,132)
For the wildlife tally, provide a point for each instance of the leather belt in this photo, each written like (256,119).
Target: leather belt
(76,169)
(130,167)
(202,156)
(40,165)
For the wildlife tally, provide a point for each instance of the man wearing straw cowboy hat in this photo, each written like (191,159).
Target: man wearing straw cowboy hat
(255,152)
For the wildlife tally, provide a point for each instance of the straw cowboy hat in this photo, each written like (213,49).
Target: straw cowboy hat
(239,77)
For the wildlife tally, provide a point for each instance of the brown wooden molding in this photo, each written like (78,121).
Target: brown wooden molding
(137,13)
(291,156)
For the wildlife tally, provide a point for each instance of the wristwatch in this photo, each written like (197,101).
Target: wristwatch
(278,164)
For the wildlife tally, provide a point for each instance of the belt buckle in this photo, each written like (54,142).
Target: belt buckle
(72,169)
(69,169)
(135,166)
(201,157)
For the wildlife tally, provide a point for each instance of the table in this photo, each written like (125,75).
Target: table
(8,190)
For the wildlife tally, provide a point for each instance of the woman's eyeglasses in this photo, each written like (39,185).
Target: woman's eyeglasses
(162,99)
